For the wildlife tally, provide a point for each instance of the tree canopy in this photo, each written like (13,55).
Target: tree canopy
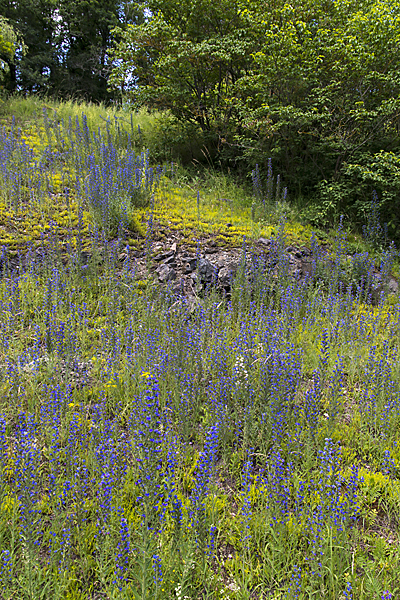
(188,60)
(9,44)
(313,83)
(69,43)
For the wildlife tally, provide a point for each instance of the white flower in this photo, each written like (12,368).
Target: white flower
(239,368)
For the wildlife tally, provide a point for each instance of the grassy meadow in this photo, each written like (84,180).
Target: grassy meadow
(242,446)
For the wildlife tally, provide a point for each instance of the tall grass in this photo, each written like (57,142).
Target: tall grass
(31,108)
(63,170)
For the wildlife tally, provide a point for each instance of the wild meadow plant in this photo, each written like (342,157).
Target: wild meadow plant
(243,447)
(268,195)
(122,480)
(66,162)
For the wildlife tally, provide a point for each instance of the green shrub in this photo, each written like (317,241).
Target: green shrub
(170,139)
(352,195)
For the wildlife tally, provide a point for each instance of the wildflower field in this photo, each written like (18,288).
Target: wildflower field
(243,446)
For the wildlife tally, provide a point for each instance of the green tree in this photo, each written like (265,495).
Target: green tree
(83,47)
(34,21)
(68,44)
(325,87)
(10,42)
(188,57)
(314,84)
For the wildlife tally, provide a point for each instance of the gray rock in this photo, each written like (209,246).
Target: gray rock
(164,256)
(170,261)
(225,277)
(207,271)
(165,273)
(264,241)
(189,265)
(391,286)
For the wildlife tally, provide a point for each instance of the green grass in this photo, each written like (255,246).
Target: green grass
(197,201)
(27,110)
(232,447)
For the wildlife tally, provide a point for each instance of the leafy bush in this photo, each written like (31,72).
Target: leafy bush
(171,139)
(365,189)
